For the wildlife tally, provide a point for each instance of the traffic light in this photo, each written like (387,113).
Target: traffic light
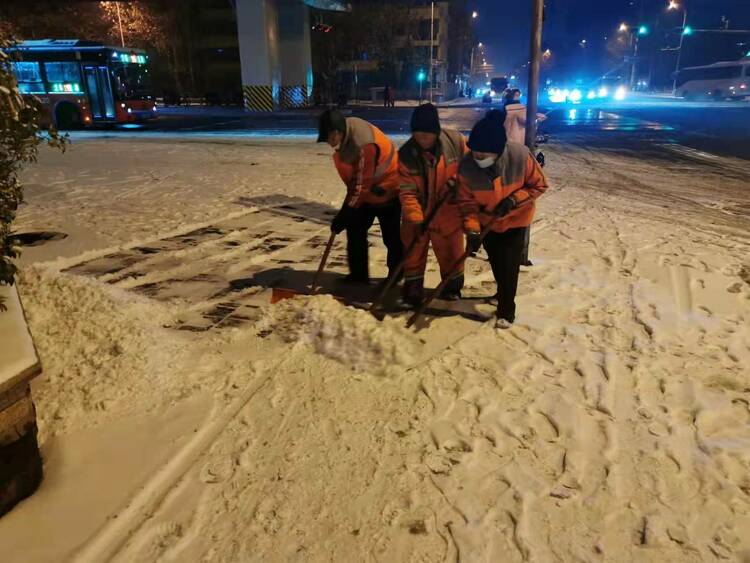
(421,76)
(643,30)
(688,30)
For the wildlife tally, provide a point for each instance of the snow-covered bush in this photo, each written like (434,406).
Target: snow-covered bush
(20,137)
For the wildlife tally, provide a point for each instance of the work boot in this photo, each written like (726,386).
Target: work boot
(412,293)
(409,303)
(503,324)
(451,295)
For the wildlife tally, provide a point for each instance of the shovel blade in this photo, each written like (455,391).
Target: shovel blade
(279,294)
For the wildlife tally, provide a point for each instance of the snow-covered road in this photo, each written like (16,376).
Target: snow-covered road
(612,423)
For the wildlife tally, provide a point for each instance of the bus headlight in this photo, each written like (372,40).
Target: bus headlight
(130,110)
(122,105)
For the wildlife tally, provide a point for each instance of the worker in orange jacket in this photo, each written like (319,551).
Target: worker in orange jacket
(367,162)
(428,166)
(499,182)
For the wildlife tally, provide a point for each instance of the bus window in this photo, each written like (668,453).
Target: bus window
(28,77)
(63,77)
(132,81)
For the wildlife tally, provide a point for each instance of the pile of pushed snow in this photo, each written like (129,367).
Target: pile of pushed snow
(349,335)
(103,351)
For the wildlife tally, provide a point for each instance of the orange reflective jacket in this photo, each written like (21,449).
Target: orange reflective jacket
(515,173)
(424,179)
(367,163)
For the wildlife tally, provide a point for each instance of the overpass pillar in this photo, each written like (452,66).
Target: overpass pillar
(258,35)
(275,53)
(295,53)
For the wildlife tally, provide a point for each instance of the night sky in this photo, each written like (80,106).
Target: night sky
(503,26)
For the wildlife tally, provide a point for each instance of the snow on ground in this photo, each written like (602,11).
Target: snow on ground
(184,420)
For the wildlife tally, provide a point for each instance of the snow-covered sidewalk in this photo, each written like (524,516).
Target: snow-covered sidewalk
(183,419)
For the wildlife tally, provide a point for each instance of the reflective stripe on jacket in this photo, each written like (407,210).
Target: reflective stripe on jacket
(515,173)
(367,163)
(424,180)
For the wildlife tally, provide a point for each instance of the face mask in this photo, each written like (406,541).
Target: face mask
(485,162)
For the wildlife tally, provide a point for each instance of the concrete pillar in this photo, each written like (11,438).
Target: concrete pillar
(294,53)
(258,34)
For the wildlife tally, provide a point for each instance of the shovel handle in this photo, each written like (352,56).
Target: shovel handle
(323,262)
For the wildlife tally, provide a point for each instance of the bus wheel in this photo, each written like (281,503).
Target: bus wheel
(67,116)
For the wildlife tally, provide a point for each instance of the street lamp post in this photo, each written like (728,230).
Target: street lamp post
(432,48)
(119,21)
(673,5)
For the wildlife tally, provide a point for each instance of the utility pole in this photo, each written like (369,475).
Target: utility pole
(532,107)
(432,39)
(683,32)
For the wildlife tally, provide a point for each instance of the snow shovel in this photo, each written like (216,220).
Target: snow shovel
(439,289)
(278,293)
(393,278)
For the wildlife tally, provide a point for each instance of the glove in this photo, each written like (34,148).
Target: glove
(341,221)
(505,206)
(473,242)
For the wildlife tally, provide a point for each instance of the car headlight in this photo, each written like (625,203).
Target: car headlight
(556,96)
(621,93)
(603,92)
(575,96)
(591,95)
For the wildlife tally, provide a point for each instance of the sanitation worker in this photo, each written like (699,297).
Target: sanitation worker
(499,182)
(428,166)
(367,162)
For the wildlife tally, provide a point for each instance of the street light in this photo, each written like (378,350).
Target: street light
(686,30)
(624,27)
(474,15)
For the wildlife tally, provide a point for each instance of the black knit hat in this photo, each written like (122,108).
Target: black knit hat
(488,135)
(425,119)
(330,120)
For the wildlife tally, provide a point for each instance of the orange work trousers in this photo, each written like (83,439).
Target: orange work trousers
(447,239)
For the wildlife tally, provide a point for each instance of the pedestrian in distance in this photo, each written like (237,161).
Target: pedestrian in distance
(515,128)
(499,182)
(367,162)
(392,98)
(428,167)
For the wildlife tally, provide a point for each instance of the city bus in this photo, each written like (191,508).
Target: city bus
(718,81)
(83,83)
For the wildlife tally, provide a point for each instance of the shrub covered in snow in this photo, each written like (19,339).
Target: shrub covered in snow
(20,137)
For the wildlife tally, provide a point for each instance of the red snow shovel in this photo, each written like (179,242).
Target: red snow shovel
(279,293)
